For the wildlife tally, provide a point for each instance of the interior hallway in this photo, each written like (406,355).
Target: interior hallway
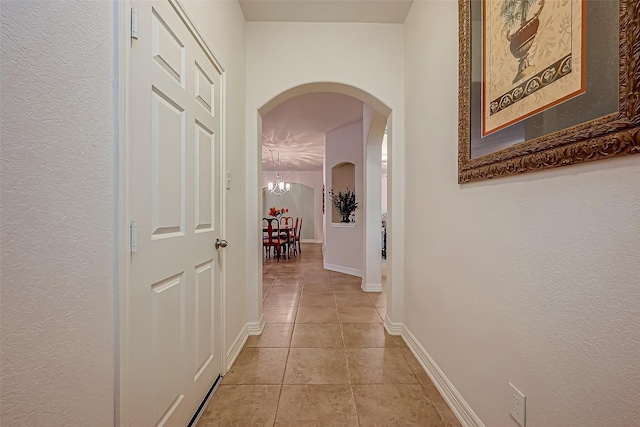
(324,359)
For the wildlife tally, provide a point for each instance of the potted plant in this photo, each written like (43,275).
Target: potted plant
(344,203)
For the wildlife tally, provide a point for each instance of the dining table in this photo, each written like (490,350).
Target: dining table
(284,230)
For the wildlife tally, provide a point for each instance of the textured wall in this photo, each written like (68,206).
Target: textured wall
(57,211)
(532,279)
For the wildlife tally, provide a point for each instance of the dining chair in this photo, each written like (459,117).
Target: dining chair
(298,230)
(273,238)
(265,225)
(286,230)
(293,233)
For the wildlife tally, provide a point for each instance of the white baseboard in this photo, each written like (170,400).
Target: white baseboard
(251,328)
(236,347)
(371,287)
(458,405)
(310,241)
(343,269)
(392,328)
(256,328)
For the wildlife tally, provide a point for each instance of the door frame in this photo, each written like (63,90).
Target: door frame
(122,215)
(395,195)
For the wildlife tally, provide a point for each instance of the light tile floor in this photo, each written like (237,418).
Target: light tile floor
(324,359)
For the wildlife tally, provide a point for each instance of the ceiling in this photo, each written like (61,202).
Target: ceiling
(370,11)
(296,129)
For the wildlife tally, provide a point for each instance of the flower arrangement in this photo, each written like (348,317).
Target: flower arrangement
(344,203)
(276,213)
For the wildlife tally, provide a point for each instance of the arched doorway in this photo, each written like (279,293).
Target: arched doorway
(379,117)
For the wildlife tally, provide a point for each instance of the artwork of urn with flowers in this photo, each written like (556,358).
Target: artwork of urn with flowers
(277,213)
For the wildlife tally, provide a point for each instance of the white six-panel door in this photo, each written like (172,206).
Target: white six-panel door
(173,288)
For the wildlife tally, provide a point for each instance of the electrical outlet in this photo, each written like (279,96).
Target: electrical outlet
(518,405)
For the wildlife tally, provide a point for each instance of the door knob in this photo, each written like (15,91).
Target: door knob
(221,243)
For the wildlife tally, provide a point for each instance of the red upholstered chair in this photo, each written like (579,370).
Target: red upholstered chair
(298,230)
(272,238)
(293,233)
(286,230)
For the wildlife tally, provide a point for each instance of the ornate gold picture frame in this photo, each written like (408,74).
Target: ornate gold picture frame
(603,122)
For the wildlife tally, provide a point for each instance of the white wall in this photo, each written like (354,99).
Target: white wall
(282,56)
(58,212)
(344,243)
(311,179)
(374,125)
(383,193)
(221,23)
(59,193)
(531,279)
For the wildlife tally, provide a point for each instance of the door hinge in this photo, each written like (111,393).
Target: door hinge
(134,235)
(134,23)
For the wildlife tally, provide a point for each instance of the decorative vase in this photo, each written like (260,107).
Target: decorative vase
(344,217)
(520,43)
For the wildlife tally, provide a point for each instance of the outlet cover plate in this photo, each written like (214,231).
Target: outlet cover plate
(518,405)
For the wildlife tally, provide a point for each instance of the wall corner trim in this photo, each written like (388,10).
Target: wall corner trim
(256,328)
(251,328)
(454,399)
(343,269)
(392,327)
(371,287)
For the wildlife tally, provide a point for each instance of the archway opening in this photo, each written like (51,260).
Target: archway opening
(371,121)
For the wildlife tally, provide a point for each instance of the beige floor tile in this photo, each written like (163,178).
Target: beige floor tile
(241,405)
(281,300)
(358,315)
(346,280)
(309,335)
(434,395)
(441,406)
(353,300)
(294,290)
(416,368)
(316,366)
(275,314)
(378,299)
(379,366)
(265,291)
(395,405)
(274,335)
(369,335)
(338,275)
(347,290)
(258,366)
(317,300)
(269,274)
(316,280)
(317,289)
(317,315)
(289,280)
(319,374)
(316,405)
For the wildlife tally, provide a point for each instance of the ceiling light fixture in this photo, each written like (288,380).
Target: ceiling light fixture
(278,185)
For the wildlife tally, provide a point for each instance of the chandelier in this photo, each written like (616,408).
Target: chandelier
(278,185)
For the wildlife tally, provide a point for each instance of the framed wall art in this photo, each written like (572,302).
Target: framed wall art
(546,83)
